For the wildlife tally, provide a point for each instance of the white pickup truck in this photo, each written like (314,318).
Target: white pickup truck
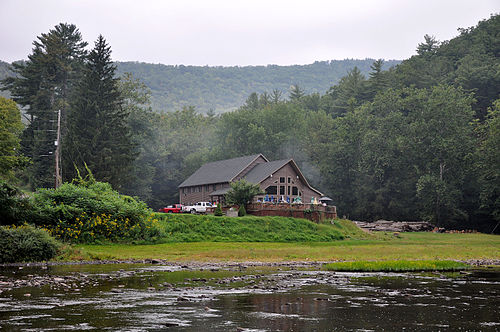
(200,207)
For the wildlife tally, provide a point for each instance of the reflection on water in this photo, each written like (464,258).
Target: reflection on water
(153,298)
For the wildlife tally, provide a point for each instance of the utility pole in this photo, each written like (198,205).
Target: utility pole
(58,171)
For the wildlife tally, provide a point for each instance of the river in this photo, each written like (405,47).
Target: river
(211,297)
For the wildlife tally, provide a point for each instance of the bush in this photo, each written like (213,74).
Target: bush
(26,244)
(218,211)
(13,206)
(241,211)
(92,211)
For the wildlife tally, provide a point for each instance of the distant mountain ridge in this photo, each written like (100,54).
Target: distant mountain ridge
(222,89)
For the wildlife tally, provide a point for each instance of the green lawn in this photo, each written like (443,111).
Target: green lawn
(408,246)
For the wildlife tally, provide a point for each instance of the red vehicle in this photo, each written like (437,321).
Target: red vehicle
(176,208)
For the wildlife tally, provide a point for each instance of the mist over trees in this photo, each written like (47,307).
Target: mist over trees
(223,89)
(419,141)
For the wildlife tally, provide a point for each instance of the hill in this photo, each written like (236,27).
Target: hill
(226,88)
(223,89)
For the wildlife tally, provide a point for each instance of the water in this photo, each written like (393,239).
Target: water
(153,298)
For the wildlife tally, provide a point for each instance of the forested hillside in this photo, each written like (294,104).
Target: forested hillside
(225,88)
(419,141)
(5,71)
(221,89)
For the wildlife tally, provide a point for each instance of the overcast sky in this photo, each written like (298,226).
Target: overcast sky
(232,32)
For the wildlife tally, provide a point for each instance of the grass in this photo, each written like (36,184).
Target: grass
(208,228)
(396,266)
(380,247)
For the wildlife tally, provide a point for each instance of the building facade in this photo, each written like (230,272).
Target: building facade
(280,180)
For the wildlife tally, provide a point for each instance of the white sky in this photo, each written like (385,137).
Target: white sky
(232,32)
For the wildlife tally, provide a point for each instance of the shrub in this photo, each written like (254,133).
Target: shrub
(218,211)
(92,211)
(26,244)
(241,211)
(13,206)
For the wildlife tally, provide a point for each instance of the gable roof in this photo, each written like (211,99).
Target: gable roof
(219,171)
(261,171)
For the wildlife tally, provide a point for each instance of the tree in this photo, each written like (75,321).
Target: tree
(10,130)
(276,96)
(99,133)
(348,94)
(488,163)
(242,192)
(377,81)
(296,93)
(143,123)
(44,85)
(428,47)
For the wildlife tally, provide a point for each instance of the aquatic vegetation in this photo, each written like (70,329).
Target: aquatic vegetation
(397,266)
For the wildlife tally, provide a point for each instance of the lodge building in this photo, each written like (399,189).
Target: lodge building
(280,180)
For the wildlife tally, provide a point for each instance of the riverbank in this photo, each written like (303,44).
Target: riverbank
(399,246)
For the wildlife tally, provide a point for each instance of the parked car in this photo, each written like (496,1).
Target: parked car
(200,207)
(176,208)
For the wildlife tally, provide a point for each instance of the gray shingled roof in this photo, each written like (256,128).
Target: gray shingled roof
(218,171)
(262,171)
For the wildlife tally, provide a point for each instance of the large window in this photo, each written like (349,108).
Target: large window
(282,190)
(272,190)
(295,191)
(282,179)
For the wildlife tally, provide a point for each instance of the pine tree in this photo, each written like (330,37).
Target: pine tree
(99,135)
(42,86)
(296,93)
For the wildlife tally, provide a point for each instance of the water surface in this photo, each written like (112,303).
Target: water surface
(120,297)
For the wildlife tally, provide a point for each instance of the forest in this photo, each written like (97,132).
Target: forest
(414,141)
(221,89)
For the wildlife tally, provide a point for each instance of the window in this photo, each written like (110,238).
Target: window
(282,190)
(295,191)
(282,179)
(272,190)
(183,190)
(289,179)
(207,188)
(214,187)
(288,189)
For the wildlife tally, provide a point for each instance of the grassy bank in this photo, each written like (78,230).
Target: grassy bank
(208,228)
(396,266)
(408,246)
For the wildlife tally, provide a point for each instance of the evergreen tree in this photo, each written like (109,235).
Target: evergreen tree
(296,93)
(99,133)
(43,86)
